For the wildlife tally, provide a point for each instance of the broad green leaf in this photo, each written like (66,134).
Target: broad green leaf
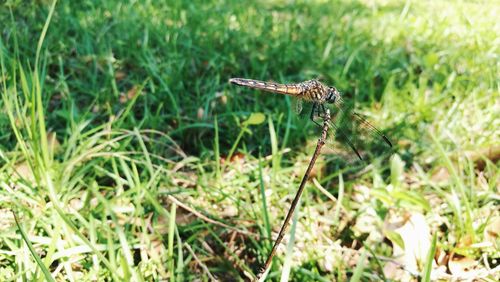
(413,198)
(395,238)
(397,168)
(382,195)
(255,118)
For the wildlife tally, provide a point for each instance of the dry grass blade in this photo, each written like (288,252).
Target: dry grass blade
(205,218)
(200,263)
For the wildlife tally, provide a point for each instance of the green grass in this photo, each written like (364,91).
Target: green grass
(121,107)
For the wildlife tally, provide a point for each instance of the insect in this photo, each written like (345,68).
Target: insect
(350,127)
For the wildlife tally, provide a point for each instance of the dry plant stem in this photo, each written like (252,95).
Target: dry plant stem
(200,263)
(205,218)
(286,223)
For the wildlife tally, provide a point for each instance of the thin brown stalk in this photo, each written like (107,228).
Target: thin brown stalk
(200,263)
(207,219)
(286,223)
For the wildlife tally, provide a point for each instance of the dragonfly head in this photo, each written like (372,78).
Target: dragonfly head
(333,95)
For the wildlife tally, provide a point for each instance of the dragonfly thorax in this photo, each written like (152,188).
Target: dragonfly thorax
(314,91)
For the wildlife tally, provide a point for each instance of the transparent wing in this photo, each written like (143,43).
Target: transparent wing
(297,105)
(334,141)
(350,131)
(376,133)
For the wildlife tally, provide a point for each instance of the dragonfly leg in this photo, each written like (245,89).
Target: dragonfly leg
(313,112)
(323,109)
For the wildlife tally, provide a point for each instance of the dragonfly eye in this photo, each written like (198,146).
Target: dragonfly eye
(333,95)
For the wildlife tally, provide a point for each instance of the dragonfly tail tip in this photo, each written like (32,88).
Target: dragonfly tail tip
(234,80)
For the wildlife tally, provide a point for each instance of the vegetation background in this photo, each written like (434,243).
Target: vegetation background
(125,155)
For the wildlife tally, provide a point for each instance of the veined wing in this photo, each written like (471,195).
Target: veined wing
(372,129)
(288,89)
(355,132)
(361,121)
(335,131)
(297,105)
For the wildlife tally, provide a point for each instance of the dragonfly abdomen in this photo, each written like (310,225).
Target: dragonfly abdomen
(311,90)
(287,89)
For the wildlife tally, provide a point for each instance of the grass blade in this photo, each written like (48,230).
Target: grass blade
(265,211)
(340,198)
(358,271)
(217,150)
(38,90)
(287,265)
(274,149)
(171,232)
(42,266)
(430,258)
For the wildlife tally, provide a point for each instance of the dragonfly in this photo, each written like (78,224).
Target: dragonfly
(321,96)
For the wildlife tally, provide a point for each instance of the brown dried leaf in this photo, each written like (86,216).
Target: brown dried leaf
(441,257)
(238,157)
(130,95)
(492,231)
(183,217)
(492,153)
(462,266)
(132,92)
(441,176)
(54,145)
(120,75)
(23,171)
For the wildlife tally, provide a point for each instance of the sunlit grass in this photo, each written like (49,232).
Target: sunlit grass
(127,156)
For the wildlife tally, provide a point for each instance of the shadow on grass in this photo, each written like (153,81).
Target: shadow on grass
(97,54)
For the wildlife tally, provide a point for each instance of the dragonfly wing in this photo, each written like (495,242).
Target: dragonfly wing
(352,132)
(336,133)
(297,105)
(361,127)
(374,131)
